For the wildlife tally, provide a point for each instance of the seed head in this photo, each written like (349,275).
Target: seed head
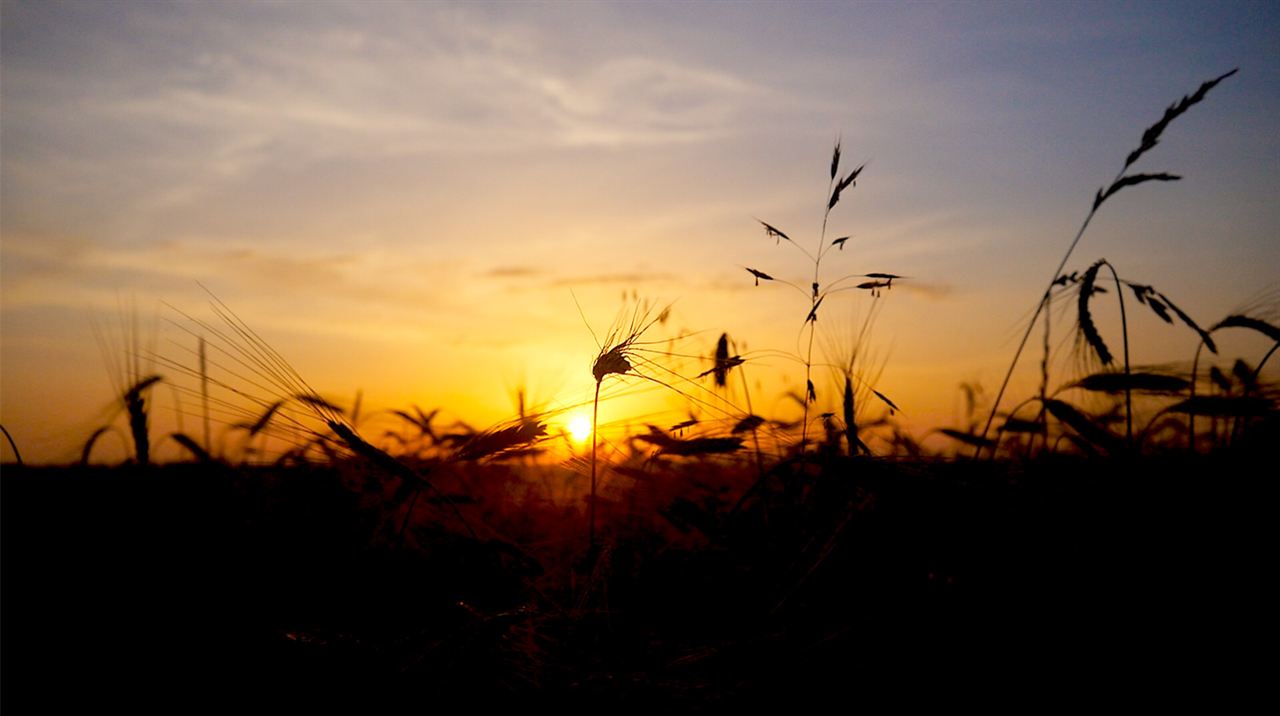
(611,361)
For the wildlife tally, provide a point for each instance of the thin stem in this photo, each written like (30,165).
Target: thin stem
(204,392)
(1128,388)
(18,456)
(813,327)
(591,506)
(1042,416)
(802,250)
(1258,371)
(1044,301)
(755,438)
(1191,412)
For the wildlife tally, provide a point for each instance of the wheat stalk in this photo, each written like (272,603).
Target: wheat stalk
(616,356)
(1150,137)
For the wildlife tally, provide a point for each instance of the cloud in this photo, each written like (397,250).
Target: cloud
(547,278)
(141,114)
(513,272)
(933,291)
(631,277)
(69,271)
(441,81)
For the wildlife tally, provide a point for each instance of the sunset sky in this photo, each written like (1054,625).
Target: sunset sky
(406,198)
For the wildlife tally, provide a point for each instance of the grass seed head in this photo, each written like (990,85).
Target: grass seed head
(610,361)
(1085,319)
(721,369)
(759,275)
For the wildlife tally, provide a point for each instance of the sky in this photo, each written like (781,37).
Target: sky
(439,203)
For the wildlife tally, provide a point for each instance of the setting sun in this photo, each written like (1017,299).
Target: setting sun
(579,428)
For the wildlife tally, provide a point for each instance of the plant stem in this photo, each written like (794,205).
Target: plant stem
(591,506)
(1128,389)
(1040,307)
(813,327)
(1258,371)
(204,395)
(18,456)
(1191,412)
(755,438)
(808,380)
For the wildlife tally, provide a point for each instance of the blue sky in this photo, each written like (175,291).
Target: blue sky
(424,184)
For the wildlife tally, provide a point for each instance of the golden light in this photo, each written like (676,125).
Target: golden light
(579,428)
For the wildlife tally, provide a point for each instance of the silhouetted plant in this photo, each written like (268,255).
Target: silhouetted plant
(818,290)
(1150,138)
(618,355)
(129,369)
(17,456)
(1238,407)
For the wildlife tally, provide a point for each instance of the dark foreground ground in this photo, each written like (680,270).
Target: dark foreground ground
(168,589)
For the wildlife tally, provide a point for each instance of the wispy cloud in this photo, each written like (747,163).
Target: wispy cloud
(438,81)
(72,271)
(624,278)
(932,290)
(513,272)
(136,124)
(543,277)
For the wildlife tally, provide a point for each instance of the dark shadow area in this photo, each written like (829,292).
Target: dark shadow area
(204,585)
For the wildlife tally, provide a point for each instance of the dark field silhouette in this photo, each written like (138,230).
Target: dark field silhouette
(206,584)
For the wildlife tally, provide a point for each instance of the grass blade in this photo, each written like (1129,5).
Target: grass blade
(1084,426)
(1141,382)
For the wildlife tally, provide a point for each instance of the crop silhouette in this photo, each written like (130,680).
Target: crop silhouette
(1150,138)
(820,289)
(125,352)
(617,354)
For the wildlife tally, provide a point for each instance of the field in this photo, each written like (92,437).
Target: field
(1108,536)
(867,576)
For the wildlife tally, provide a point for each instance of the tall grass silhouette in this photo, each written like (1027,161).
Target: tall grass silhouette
(1150,138)
(126,352)
(1251,401)
(819,290)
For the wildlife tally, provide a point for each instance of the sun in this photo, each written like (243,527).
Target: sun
(579,428)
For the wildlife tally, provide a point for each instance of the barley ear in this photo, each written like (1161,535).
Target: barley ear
(1085,318)
(1254,324)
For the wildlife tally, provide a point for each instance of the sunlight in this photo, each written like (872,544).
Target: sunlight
(579,428)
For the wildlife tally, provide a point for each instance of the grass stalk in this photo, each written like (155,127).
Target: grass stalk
(591,505)
(1128,388)
(1150,138)
(16,455)
(204,393)
(1040,308)
(835,186)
